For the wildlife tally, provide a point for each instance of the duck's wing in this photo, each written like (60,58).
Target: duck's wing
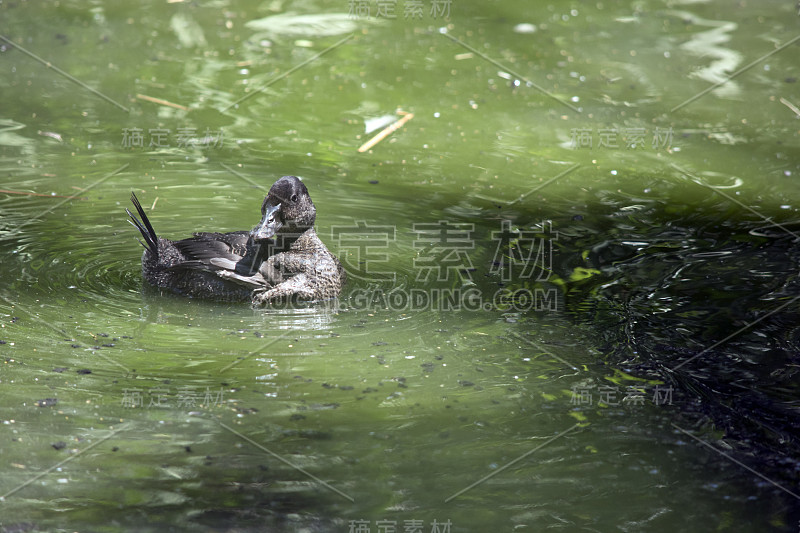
(223,254)
(207,245)
(236,241)
(203,248)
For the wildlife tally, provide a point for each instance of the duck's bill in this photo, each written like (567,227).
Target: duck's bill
(269,225)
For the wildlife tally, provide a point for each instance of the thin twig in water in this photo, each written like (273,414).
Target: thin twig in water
(385,132)
(791,106)
(161,102)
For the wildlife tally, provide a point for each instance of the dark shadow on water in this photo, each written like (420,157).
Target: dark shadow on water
(697,303)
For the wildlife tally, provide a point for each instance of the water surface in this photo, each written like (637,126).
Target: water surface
(643,377)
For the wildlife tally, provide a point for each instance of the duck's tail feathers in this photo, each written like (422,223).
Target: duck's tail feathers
(145,228)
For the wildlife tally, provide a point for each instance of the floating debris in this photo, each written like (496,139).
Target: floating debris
(47,402)
(159,101)
(50,134)
(387,131)
(372,124)
(525,27)
(791,106)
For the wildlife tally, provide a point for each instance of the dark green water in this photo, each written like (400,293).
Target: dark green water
(645,378)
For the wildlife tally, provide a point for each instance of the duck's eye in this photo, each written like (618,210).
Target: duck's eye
(294,198)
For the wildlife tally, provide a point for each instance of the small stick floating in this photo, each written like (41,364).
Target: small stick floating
(50,134)
(385,132)
(791,106)
(161,102)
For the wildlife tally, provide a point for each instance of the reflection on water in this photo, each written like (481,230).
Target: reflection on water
(8,137)
(713,44)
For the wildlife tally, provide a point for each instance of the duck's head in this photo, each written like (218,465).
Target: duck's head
(287,208)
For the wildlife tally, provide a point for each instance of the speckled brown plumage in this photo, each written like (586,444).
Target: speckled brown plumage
(280,259)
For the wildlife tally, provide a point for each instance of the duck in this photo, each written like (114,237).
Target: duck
(280,259)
